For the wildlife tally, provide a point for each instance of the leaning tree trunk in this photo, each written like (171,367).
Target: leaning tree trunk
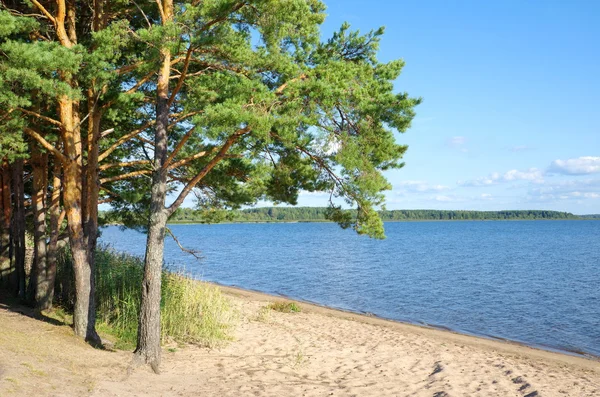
(148,342)
(39,283)
(18,227)
(5,217)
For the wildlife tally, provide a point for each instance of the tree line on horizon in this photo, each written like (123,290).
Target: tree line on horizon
(319,214)
(229,101)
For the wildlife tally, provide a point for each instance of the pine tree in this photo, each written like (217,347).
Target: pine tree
(235,121)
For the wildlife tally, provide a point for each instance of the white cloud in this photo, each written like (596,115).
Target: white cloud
(458,140)
(458,143)
(456,198)
(565,190)
(533,175)
(578,166)
(577,195)
(447,199)
(418,187)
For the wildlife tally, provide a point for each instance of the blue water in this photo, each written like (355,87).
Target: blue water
(535,282)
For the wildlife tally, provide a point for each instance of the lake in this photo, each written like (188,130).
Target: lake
(535,282)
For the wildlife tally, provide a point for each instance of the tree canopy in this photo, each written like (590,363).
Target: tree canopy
(233,101)
(299,114)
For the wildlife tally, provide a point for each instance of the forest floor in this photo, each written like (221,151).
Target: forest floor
(317,352)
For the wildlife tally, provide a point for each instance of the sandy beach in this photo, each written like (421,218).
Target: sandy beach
(317,352)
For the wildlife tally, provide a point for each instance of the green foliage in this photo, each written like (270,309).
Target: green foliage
(317,116)
(346,217)
(590,216)
(191,311)
(285,307)
(29,67)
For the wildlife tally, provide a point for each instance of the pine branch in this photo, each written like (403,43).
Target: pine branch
(125,176)
(179,146)
(123,164)
(46,145)
(207,168)
(41,117)
(44,11)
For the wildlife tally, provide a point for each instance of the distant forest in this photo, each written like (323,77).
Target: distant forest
(318,214)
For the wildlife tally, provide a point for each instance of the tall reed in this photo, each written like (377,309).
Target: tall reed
(191,311)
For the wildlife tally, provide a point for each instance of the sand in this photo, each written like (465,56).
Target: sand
(318,352)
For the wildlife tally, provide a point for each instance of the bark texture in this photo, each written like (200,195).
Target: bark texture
(72,197)
(6,269)
(64,18)
(55,222)
(18,229)
(148,343)
(39,282)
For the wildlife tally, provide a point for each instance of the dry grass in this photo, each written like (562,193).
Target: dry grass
(191,311)
(285,307)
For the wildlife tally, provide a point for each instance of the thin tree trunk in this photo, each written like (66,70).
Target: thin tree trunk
(18,228)
(39,271)
(90,182)
(148,342)
(55,223)
(92,189)
(5,217)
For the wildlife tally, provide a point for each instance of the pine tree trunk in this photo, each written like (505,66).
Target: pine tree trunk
(55,223)
(83,318)
(148,342)
(18,228)
(39,271)
(81,267)
(5,217)
(92,189)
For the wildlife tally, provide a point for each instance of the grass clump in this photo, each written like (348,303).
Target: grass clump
(263,315)
(285,307)
(191,311)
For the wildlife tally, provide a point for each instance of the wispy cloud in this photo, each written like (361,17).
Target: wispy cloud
(457,198)
(457,143)
(564,190)
(533,175)
(448,198)
(579,166)
(418,187)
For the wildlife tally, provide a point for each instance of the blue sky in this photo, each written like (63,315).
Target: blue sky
(511,110)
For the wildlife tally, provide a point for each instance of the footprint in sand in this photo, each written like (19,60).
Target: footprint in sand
(523,385)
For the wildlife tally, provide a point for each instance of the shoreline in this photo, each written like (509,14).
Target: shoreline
(585,360)
(316,352)
(385,221)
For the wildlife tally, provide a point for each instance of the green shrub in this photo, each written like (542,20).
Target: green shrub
(285,307)
(191,311)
